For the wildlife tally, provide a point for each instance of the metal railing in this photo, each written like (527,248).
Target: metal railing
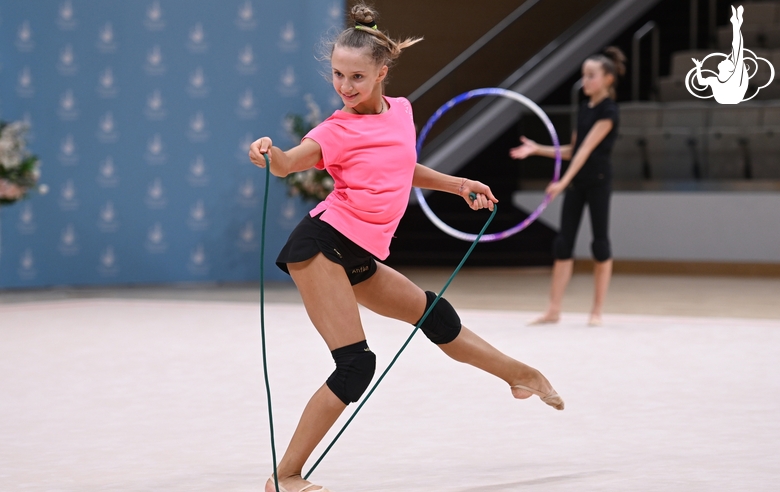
(649,28)
(471,50)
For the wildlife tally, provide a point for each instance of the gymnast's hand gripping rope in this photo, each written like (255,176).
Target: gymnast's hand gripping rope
(472,197)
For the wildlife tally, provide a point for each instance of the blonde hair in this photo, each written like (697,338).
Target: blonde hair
(363,34)
(613,61)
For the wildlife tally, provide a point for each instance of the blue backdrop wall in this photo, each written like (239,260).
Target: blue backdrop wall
(142,113)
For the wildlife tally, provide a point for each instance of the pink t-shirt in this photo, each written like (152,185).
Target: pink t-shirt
(371,159)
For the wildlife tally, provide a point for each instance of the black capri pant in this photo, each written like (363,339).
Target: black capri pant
(597,197)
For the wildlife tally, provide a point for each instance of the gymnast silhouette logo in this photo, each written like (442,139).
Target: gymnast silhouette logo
(730,84)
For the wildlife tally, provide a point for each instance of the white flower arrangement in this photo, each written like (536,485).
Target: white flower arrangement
(19,169)
(311,184)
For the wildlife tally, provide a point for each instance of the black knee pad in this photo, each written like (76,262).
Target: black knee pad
(562,250)
(355,366)
(443,324)
(601,249)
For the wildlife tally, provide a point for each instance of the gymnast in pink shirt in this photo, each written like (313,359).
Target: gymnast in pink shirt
(368,147)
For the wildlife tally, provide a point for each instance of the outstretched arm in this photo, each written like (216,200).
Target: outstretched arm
(427,178)
(300,158)
(528,148)
(594,137)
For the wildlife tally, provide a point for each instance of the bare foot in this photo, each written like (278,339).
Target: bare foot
(293,483)
(595,320)
(534,383)
(546,319)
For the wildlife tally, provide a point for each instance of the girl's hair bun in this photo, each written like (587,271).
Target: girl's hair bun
(618,58)
(363,14)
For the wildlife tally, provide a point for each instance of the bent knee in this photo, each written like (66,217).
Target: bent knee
(602,250)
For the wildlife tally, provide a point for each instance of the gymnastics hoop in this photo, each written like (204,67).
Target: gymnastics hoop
(493,91)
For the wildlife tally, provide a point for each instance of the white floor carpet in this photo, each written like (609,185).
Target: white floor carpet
(168,396)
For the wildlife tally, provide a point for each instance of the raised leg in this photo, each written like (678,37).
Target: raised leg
(390,294)
(332,308)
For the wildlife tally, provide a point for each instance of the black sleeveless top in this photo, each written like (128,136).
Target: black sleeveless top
(598,167)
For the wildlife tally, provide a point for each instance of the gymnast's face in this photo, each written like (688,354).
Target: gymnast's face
(357,79)
(595,80)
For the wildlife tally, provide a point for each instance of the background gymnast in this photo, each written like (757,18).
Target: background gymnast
(368,147)
(588,179)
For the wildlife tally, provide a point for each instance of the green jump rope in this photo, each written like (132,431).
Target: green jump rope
(472,196)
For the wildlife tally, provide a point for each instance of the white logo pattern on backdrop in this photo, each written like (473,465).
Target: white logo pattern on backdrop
(287,42)
(24,86)
(107,265)
(154,20)
(26,224)
(155,151)
(68,241)
(107,177)
(68,155)
(107,87)
(155,240)
(246,61)
(68,110)
(67,17)
(24,38)
(246,17)
(246,109)
(198,85)
(107,220)
(155,106)
(27,266)
(155,195)
(197,39)
(68,199)
(198,264)
(154,61)
(107,132)
(197,175)
(106,39)
(67,62)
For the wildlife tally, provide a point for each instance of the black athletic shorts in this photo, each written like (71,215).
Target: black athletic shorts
(312,236)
